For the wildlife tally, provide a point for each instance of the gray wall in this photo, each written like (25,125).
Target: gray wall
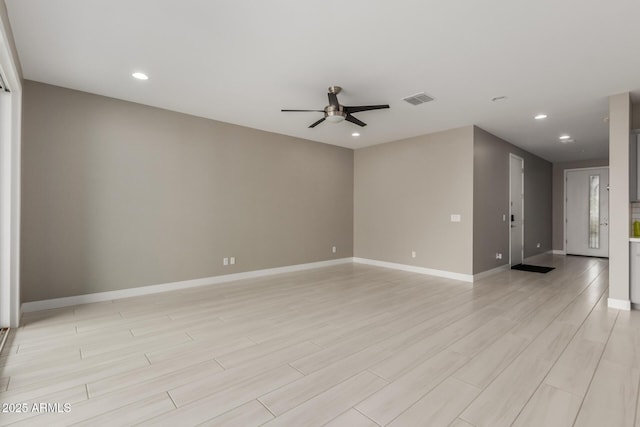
(405,192)
(119,195)
(491,201)
(558,195)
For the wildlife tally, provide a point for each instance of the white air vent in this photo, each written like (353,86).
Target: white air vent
(418,98)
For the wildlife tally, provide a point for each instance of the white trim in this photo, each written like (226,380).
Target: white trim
(558,252)
(165,287)
(564,203)
(619,304)
(564,212)
(415,269)
(586,169)
(514,156)
(5,209)
(10,142)
(482,275)
(532,258)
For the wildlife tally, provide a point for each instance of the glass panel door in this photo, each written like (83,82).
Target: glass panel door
(594,211)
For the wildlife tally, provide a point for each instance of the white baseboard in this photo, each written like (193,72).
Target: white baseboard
(491,272)
(414,269)
(174,286)
(558,252)
(534,258)
(619,304)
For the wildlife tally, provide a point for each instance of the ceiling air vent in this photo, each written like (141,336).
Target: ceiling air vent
(418,98)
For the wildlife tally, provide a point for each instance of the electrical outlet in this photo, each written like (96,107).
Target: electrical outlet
(232,260)
(498,255)
(225,261)
(333,249)
(413,254)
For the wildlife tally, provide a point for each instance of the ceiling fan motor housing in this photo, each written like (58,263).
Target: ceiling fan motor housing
(334,114)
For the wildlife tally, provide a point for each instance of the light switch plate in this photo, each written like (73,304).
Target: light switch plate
(455,218)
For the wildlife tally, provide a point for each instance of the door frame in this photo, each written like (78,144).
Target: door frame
(514,156)
(10,187)
(564,201)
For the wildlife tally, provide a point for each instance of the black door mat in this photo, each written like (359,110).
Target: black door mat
(532,268)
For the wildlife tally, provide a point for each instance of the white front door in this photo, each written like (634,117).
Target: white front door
(516,209)
(587,212)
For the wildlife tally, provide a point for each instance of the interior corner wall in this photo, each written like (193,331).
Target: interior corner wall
(119,195)
(404,195)
(491,201)
(558,195)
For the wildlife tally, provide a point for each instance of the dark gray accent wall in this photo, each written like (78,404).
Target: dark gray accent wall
(558,195)
(491,201)
(119,195)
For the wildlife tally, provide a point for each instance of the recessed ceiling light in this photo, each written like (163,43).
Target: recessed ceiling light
(355,134)
(499,98)
(540,117)
(140,76)
(566,141)
(564,137)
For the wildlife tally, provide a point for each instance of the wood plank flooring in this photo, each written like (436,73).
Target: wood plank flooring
(350,345)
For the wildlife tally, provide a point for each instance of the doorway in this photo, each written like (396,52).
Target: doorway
(586,213)
(516,209)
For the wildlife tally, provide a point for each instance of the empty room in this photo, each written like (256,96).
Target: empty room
(357,213)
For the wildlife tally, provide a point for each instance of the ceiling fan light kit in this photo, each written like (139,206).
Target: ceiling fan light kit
(336,113)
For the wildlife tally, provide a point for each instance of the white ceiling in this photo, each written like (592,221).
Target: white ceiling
(241,61)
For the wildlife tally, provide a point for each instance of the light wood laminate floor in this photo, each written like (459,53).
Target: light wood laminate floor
(350,345)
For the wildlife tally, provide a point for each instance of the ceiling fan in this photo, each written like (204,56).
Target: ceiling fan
(334,112)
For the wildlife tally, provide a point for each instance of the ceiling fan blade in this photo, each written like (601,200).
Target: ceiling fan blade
(359,108)
(315,111)
(333,99)
(317,123)
(352,119)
